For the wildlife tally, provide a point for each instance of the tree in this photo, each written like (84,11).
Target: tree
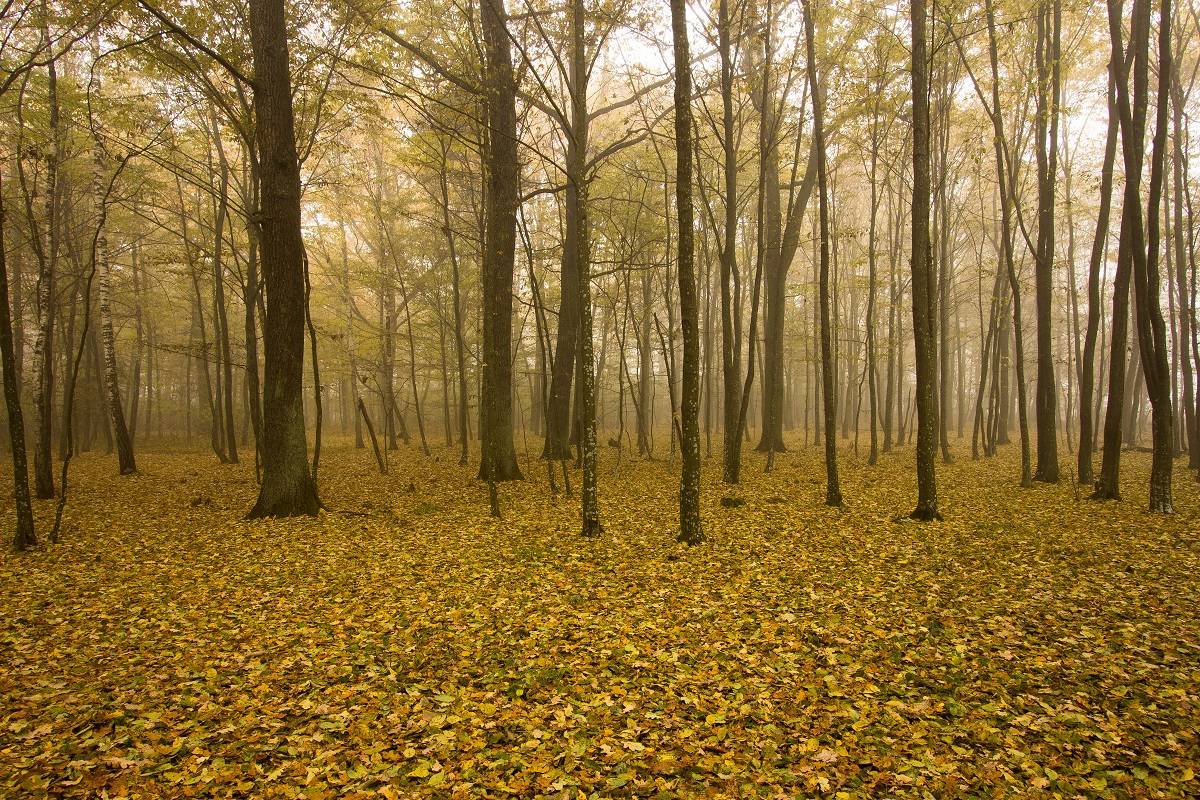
(24,534)
(924,332)
(690,529)
(1048,57)
(499,459)
(1099,251)
(288,487)
(116,410)
(833,491)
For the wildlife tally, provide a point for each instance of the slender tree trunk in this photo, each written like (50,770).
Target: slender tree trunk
(139,348)
(222,318)
(1154,345)
(922,285)
(1187,309)
(47,250)
(1003,173)
(116,409)
(412,366)
(1049,26)
(24,534)
(833,492)
(250,297)
(690,530)
(460,357)
(1098,256)
(731,346)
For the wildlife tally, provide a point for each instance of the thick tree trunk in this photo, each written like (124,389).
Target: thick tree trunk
(287,488)
(499,459)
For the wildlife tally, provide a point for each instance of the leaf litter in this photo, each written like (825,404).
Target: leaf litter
(408,645)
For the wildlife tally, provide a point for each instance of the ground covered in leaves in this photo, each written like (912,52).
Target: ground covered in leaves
(406,644)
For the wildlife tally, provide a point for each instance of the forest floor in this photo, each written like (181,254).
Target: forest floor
(1033,643)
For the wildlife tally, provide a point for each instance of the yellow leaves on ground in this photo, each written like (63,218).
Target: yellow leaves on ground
(405,644)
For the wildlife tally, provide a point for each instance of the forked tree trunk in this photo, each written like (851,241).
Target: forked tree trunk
(1087,381)
(1132,135)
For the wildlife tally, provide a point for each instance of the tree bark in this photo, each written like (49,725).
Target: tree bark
(1049,24)
(126,463)
(691,531)
(24,534)
(1098,256)
(287,488)
(922,285)
(499,460)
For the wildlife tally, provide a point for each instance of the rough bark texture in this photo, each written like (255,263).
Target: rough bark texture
(287,487)
(47,251)
(1154,345)
(1133,128)
(690,530)
(499,459)
(24,535)
(922,285)
(1048,71)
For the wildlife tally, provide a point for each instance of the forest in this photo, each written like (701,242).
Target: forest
(599,398)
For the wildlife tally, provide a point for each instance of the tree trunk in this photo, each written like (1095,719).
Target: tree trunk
(47,251)
(499,460)
(287,488)
(731,345)
(690,530)
(1098,256)
(1049,25)
(922,285)
(24,535)
(221,320)
(833,491)
(116,409)
(1147,297)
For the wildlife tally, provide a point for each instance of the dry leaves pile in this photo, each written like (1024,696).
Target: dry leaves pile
(1033,643)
